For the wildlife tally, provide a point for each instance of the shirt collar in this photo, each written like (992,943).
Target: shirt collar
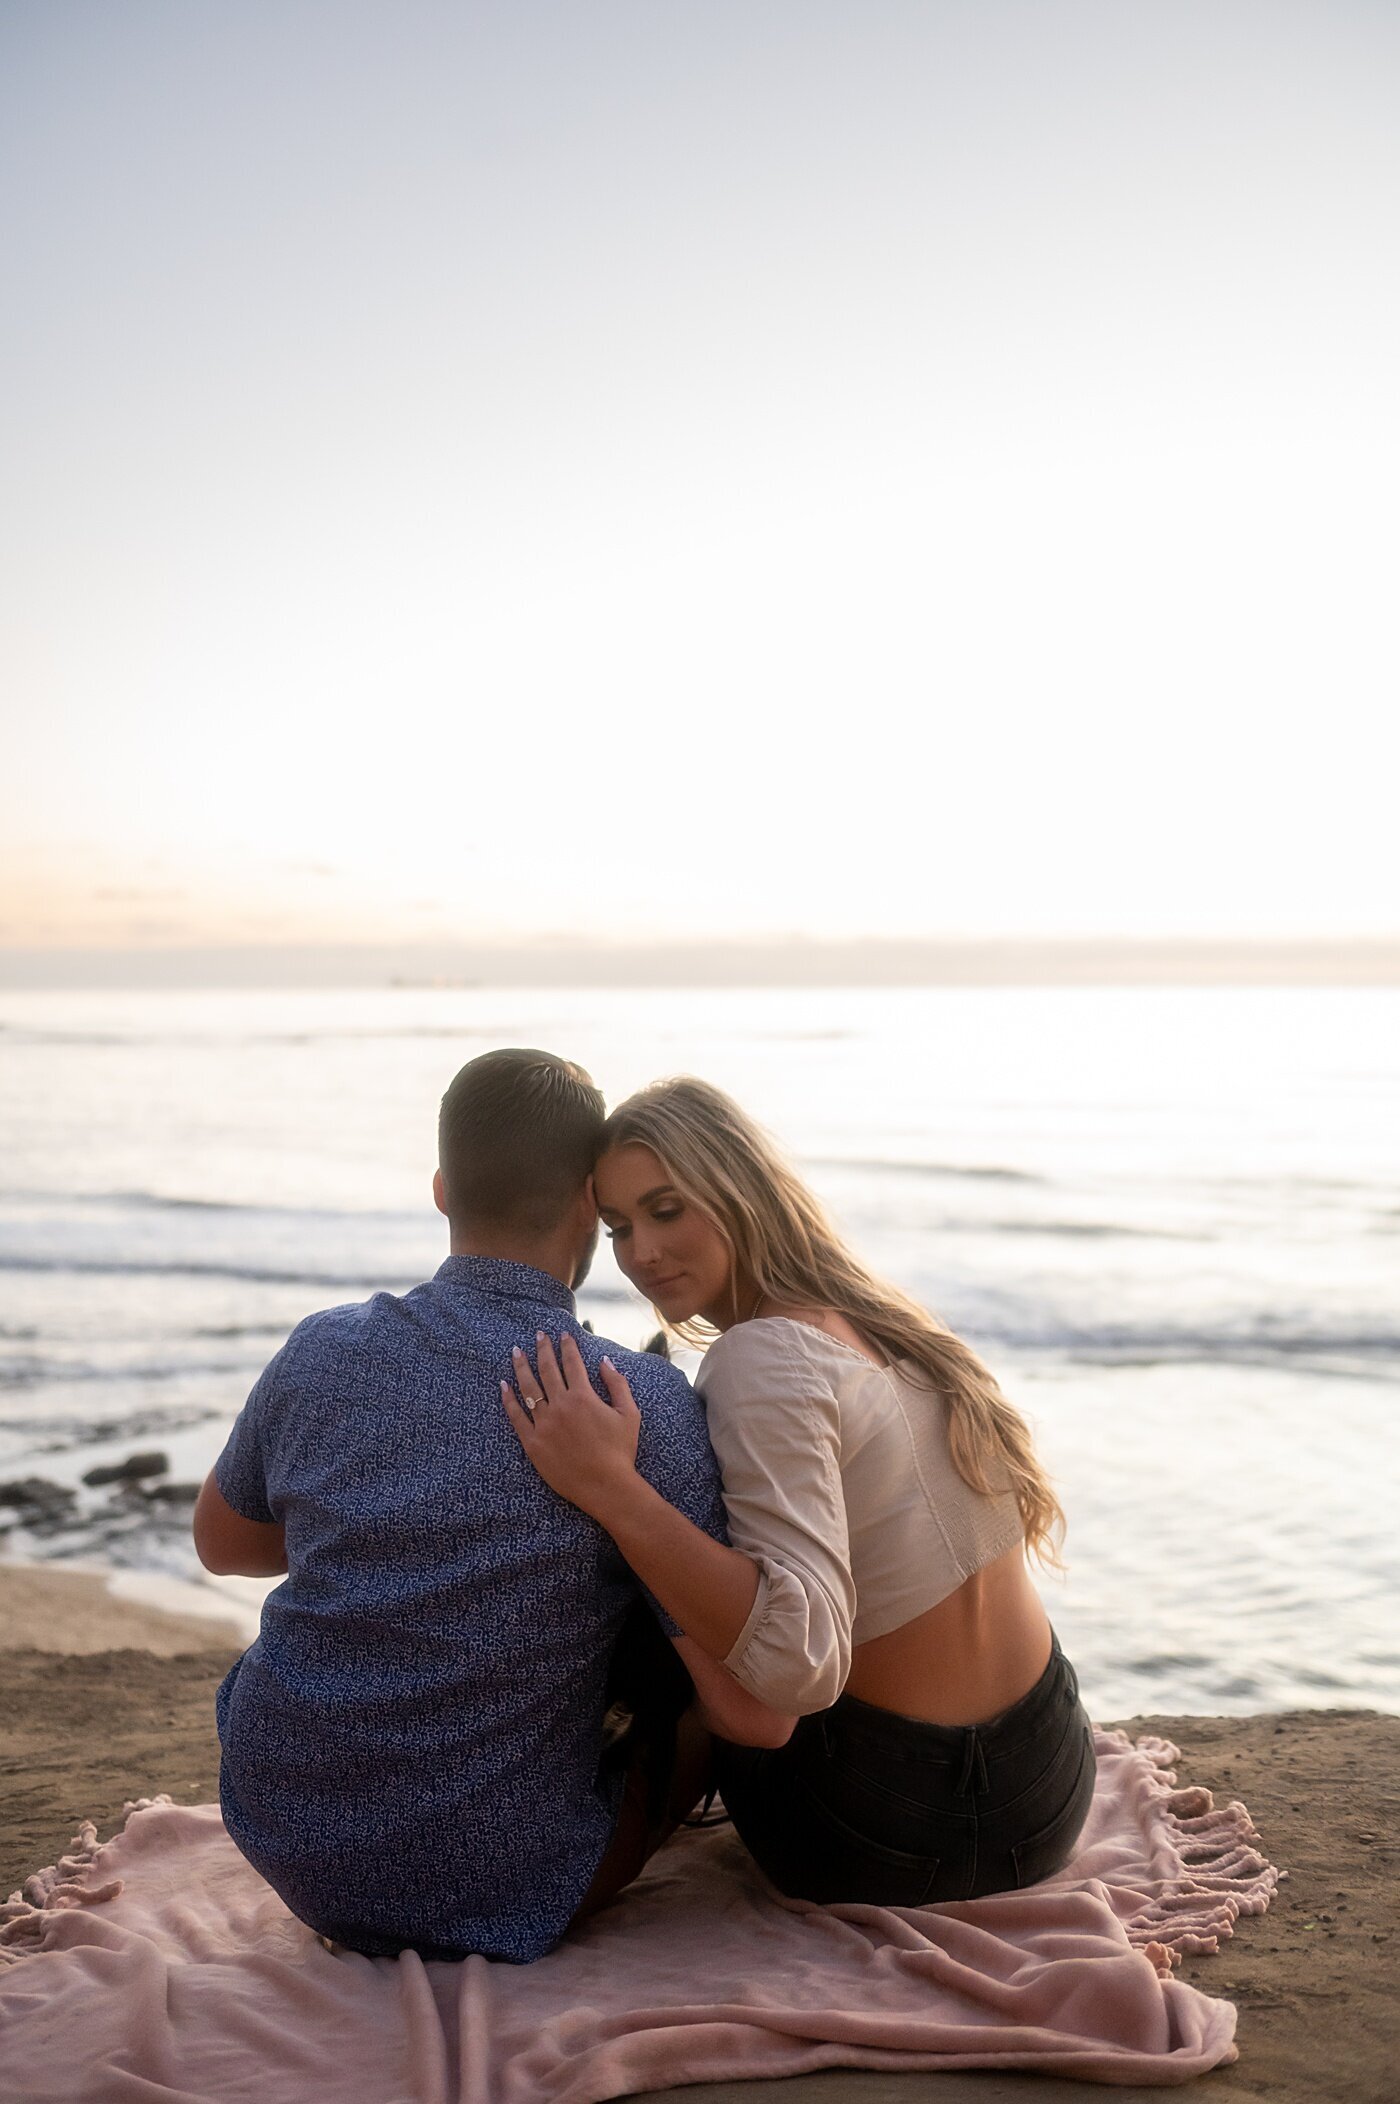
(505,1280)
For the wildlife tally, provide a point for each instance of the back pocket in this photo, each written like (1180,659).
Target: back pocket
(841,1864)
(1047,1850)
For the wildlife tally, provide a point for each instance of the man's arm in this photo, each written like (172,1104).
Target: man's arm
(230,1546)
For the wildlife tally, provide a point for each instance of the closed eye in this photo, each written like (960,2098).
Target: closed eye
(623,1228)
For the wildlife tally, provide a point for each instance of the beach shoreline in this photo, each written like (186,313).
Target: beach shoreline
(83,1607)
(104,1699)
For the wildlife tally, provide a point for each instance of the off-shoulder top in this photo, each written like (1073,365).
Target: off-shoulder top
(839,1483)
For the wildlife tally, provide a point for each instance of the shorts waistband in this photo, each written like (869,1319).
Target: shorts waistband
(910,1739)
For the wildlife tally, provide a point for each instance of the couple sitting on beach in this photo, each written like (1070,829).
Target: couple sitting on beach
(460,1728)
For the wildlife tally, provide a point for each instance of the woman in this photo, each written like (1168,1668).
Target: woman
(882,1496)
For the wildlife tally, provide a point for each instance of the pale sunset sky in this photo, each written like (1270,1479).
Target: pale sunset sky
(644,469)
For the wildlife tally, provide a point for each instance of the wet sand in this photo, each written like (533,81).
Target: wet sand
(102,1700)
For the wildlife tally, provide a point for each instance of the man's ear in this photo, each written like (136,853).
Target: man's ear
(590,1205)
(439,1192)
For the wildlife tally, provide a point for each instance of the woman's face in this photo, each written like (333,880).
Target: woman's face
(662,1242)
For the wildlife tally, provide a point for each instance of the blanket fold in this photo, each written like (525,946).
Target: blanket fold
(159,1967)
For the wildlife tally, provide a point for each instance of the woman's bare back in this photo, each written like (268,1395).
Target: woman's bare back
(966,1660)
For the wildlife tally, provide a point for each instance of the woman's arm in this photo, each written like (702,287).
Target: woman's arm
(726,1709)
(586,1449)
(708,1588)
(777,1607)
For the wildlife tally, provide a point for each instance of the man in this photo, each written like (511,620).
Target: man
(412,1747)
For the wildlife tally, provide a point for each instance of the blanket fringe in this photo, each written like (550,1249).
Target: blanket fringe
(1220,1874)
(27,1915)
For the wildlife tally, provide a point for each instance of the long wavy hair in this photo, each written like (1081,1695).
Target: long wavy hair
(782,1243)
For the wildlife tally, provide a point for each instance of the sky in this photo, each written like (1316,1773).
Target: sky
(658,471)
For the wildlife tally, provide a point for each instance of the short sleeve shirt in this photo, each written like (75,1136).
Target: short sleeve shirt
(411,1746)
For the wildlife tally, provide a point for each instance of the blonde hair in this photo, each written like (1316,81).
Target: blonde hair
(780,1238)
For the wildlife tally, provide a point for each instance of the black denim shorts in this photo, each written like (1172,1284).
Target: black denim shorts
(862,1804)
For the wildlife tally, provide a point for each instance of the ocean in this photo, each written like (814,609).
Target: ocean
(1169,1220)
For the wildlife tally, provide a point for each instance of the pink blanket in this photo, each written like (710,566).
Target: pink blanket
(160,1967)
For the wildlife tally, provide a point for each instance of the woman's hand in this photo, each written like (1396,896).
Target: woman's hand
(583,1447)
(586,1449)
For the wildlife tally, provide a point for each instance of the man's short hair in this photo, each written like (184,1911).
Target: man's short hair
(518,1134)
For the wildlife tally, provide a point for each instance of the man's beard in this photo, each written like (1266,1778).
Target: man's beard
(585,1262)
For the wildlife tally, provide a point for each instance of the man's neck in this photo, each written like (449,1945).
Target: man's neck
(553,1256)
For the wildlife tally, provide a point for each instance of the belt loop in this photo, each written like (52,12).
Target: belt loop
(972,1776)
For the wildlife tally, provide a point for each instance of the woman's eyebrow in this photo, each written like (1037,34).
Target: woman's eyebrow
(618,1212)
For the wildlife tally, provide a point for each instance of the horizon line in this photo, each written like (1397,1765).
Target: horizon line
(715,961)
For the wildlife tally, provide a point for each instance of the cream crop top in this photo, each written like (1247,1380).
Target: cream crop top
(839,1484)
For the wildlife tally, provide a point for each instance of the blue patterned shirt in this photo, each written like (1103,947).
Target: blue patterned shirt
(411,1746)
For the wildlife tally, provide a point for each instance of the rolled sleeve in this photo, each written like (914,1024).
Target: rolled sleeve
(776,1432)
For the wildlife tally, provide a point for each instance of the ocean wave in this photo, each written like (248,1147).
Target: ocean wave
(258,1275)
(1378,1350)
(23,1034)
(251,1274)
(57,1434)
(410,1031)
(1282,1189)
(163,1202)
(880,1165)
(231,1330)
(52,1373)
(19,1035)
(1075,1230)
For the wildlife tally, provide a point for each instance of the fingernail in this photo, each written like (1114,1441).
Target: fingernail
(540,1337)
(516,1352)
(609,1364)
(505,1388)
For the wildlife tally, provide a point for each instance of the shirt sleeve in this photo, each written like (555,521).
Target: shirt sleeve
(674,1451)
(241,1470)
(775,1427)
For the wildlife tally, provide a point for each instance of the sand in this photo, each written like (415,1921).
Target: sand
(102,1700)
(44,1607)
